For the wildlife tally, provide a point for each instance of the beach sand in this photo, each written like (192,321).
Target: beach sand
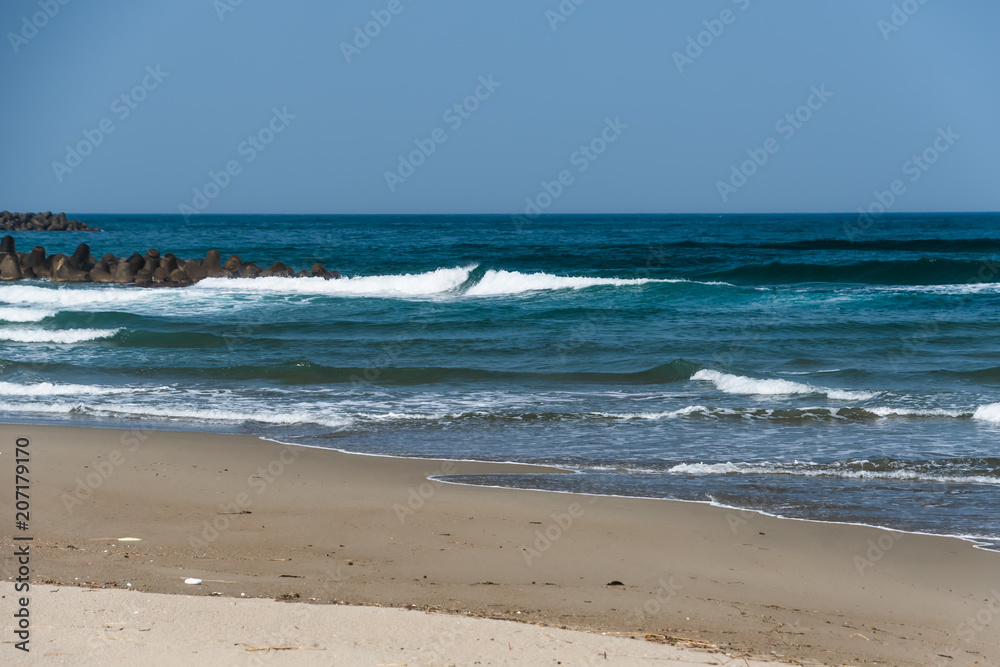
(257,519)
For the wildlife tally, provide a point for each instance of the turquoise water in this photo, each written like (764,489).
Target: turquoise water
(796,364)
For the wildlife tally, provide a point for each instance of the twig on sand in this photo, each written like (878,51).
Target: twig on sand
(667,639)
(270,648)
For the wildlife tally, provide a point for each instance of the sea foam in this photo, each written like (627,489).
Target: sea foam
(494,283)
(740,384)
(25,314)
(50,389)
(806,469)
(65,336)
(988,413)
(407,284)
(70,296)
(501,283)
(216,416)
(438,282)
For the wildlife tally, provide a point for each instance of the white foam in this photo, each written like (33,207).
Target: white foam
(944,290)
(502,282)
(208,415)
(43,408)
(403,416)
(25,314)
(219,415)
(808,469)
(49,389)
(720,468)
(804,412)
(988,413)
(408,284)
(917,412)
(430,283)
(691,409)
(67,336)
(70,296)
(740,384)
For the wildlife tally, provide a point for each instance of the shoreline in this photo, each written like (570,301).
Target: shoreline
(975,541)
(742,580)
(970,539)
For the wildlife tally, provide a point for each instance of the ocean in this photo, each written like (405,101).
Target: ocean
(809,366)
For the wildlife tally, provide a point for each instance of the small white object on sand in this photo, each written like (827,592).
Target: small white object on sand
(192,581)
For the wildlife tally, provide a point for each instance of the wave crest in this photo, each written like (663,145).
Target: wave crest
(63,336)
(947,472)
(25,314)
(497,283)
(439,281)
(50,389)
(71,296)
(740,384)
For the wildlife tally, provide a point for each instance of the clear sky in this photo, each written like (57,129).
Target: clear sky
(311,115)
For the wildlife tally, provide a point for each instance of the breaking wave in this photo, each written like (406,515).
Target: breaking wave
(947,471)
(63,336)
(739,384)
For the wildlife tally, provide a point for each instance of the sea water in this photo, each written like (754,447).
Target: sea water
(809,366)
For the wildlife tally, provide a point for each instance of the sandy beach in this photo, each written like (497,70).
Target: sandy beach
(258,519)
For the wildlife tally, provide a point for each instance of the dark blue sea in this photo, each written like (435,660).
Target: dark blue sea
(811,366)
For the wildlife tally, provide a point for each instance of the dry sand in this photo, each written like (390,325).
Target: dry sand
(112,627)
(322,526)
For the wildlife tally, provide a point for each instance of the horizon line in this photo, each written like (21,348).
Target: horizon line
(545,215)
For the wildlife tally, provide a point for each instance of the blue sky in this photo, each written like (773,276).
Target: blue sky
(325,118)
